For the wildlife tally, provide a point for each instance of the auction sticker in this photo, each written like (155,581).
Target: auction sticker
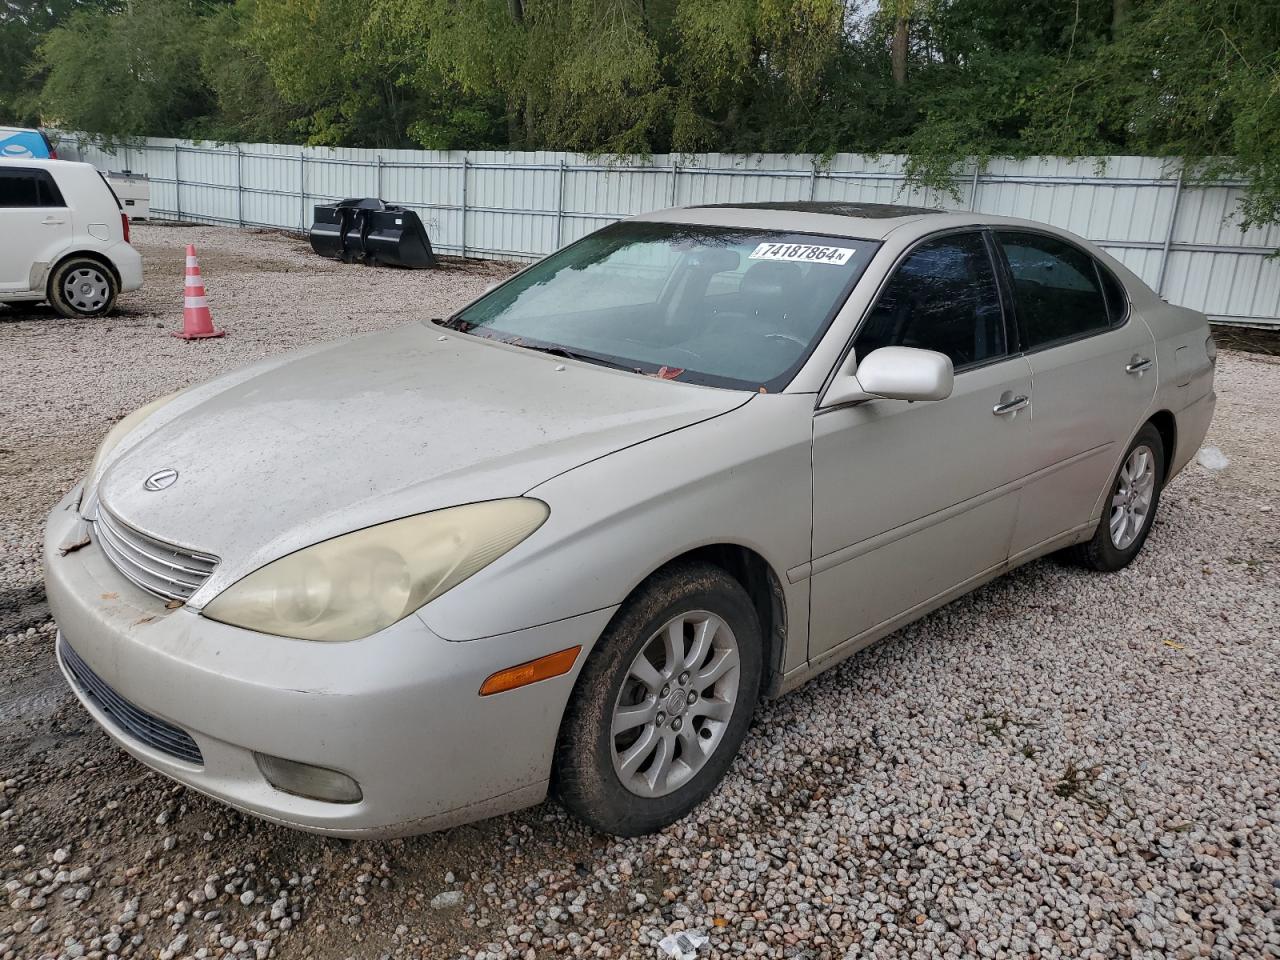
(802,253)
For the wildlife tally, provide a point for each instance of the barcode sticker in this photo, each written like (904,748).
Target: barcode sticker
(802,253)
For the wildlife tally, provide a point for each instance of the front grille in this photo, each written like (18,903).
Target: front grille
(164,569)
(134,721)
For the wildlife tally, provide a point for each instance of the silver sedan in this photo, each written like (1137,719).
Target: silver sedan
(567,538)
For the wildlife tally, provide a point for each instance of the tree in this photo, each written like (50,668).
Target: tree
(128,73)
(23,24)
(944,81)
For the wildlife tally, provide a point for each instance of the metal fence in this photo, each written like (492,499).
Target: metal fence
(1181,237)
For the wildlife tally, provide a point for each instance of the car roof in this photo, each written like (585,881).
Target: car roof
(45,163)
(865,221)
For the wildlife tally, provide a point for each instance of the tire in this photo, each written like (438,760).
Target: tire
(81,287)
(1108,551)
(604,778)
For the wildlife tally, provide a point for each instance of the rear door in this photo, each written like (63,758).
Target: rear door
(35,225)
(1093,371)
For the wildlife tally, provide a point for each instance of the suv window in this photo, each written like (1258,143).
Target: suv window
(1056,288)
(942,297)
(25,187)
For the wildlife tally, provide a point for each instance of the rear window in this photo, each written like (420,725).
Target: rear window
(1117,299)
(26,187)
(111,190)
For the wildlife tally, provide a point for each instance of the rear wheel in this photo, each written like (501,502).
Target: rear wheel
(1131,507)
(81,287)
(663,704)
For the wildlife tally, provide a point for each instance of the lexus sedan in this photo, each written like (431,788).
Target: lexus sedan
(566,539)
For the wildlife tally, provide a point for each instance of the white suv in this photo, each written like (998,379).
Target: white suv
(63,238)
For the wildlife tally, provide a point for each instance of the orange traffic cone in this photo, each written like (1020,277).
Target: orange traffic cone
(197,321)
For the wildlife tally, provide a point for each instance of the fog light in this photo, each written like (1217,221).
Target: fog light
(304,780)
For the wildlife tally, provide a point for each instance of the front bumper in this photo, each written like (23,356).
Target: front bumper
(399,711)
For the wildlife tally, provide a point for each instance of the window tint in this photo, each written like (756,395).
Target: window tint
(1117,299)
(943,297)
(24,187)
(1056,288)
(50,195)
(18,189)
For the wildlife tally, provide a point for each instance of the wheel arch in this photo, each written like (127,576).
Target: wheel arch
(761,582)
(1167,426)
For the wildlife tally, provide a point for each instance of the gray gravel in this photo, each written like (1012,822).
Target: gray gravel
(1062,764)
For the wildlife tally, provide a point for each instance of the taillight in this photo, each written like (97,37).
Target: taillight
(124,223)
(53,154)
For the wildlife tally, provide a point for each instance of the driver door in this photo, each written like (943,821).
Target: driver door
(913,502)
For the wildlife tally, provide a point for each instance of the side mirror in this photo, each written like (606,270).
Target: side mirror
(894,373)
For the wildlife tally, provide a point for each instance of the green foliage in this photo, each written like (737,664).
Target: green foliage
(128,73)
(23,24)
(944,81)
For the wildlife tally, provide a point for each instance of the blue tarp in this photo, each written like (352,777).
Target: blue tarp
(22,144)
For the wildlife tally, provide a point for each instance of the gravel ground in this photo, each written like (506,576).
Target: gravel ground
(1062,764)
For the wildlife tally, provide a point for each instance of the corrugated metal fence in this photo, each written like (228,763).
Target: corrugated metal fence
(1183,238)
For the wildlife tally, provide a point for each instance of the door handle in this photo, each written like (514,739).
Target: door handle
(53,221)
(1138,365)
(1006,407)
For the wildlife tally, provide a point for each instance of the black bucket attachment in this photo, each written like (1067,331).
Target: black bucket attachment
(371,232)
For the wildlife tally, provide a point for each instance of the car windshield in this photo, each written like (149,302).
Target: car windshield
(723,306)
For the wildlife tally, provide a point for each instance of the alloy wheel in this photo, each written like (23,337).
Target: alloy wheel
(1131,501)
(675,704)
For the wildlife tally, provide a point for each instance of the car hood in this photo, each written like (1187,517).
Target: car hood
(372,429)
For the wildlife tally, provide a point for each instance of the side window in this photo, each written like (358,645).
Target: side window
(942,297)
(18,188)
(24,187)
(1056,288)
(47,190)
(1117,299)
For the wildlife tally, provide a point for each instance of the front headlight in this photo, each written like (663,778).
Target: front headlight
(117,433)
(357,584)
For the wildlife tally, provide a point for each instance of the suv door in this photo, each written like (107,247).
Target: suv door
(35,225)
(1093,370)
(915,502)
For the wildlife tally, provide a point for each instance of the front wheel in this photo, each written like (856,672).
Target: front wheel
(81,287)
(1131,507)
(663,703)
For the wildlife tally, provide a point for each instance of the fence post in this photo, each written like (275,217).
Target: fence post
(675,172)
(973,188)
(560,205)
(239,186)
(813,177)
(464,205)
(177,184)
(378,182)
(302,188)
(1168,237)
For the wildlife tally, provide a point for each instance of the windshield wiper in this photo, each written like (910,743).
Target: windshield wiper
(575,355)
(460,325)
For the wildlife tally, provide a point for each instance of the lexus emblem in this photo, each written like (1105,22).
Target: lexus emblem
(160,479)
